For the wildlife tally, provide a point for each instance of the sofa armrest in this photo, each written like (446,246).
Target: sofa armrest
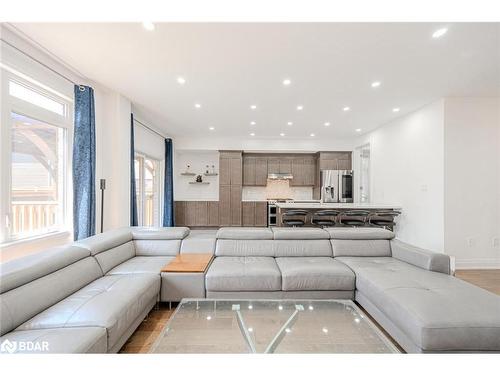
(428,260)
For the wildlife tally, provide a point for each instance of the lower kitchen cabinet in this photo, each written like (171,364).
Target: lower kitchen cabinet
(254,214)
(196,213)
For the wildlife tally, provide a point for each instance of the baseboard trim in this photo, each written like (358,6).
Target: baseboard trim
(484,263)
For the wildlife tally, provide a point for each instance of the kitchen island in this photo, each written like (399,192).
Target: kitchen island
(314,206)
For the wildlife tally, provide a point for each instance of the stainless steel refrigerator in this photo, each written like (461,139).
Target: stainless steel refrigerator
(336,186)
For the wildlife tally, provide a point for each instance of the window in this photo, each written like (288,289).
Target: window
(147,184)
(36,131)
(38,170)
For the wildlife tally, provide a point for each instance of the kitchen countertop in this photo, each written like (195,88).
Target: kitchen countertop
(368,206)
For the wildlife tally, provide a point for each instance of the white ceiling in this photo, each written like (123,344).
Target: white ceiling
(229,67)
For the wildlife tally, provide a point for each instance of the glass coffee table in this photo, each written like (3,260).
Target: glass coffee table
(270,326)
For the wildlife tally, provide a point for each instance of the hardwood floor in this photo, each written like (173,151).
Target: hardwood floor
(150,328)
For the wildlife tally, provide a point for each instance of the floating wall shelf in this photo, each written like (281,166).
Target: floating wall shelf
(188,174)
(198,183)
(210,174)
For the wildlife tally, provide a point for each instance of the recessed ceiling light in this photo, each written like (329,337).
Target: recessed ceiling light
(181,80)
(327,124)
(289,123)
(439,33)
(252,122)
(300,107)
(288,330)
(197,105)
(395,110)
(253,106)
(358,130)
(211,128)
(312,135)
(209,317)
(150,26)
(286,82)
(253,135)
(346,109)
(282,134)
(325,330)
(376,84)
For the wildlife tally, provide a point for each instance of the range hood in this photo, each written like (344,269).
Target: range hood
(279,176)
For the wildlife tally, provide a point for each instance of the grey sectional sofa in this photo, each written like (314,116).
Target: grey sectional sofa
(91,296)
(88,297)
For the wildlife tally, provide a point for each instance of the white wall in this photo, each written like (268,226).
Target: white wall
(407,169)
(198,160)
(472,181)
(112,157)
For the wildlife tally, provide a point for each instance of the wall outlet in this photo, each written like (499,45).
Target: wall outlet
(471,241)
(496,242)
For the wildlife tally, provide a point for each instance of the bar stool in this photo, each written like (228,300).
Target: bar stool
(383,219)
(294,218)
(325,218)
(354,218)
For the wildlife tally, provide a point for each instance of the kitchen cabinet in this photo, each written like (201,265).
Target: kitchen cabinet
(195,213)
(213,213)
(261,171)
(273,165)
(235,205)
(257,167)
(225,205)
(254,214)
(335,160)
(249,171)
(230,187)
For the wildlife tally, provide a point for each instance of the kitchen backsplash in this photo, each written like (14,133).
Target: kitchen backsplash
(276,189)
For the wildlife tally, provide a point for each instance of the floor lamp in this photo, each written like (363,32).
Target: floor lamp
(103,187)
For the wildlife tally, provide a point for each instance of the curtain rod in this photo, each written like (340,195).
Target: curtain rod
(39,62)
(149,128)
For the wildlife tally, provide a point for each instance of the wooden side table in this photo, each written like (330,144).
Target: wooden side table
(184,277)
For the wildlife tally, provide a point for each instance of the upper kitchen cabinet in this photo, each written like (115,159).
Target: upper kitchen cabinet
(335,160)
(303,171)
(256,168)
(230,170)
(261,171)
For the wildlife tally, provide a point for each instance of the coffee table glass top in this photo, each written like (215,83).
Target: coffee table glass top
(270,326)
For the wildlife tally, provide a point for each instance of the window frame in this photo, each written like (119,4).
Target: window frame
(141,189)
(10,104)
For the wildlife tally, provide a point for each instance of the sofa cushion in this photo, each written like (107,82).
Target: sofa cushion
(57,340)
(360,233)
(283,233)
(114,256)
(199,241)
(314,273)
(159,233)
(436,311)
(22,303)
(301,248)
(361,248)
(141,265)
(105,241)
(422,258)
(242,233)
(242,248)
(23,270)
(243,274)
(157,247)
(113,302)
